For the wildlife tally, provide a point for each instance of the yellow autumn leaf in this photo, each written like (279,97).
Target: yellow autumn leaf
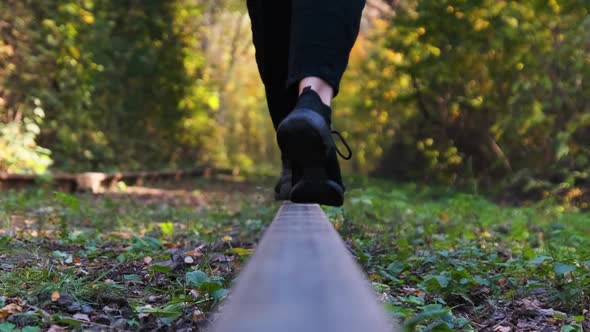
(9,310)
(242,251)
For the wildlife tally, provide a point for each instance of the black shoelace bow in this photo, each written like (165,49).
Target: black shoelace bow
(343,143)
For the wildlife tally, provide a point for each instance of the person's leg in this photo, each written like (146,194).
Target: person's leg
(322,35)
(323,88)
(271,30)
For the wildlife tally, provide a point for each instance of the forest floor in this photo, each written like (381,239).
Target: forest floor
(162,256)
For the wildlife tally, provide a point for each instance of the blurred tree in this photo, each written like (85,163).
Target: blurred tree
(449,90)
(476,87)
(21,110)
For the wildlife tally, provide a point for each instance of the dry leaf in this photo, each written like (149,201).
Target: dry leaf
(194,293)
(443,216)
(80,316)
(189,260)
(9,310)
(55,296)
(198,315)
(194,253)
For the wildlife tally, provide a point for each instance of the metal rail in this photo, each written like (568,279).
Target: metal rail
(302,279)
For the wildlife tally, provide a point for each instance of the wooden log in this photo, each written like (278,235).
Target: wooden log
(302,278)
(97,182)
(63,182)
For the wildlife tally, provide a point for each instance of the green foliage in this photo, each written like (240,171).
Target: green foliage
(461,89)
(114,82)
(18,150)
(213,287)
(439,259)
(431,249)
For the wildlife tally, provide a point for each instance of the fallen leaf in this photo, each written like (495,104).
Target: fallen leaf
(55,296)
(9,310)
(194,253)
(217,257)
(198,315)
(194,294)
(80,316)
(242,251)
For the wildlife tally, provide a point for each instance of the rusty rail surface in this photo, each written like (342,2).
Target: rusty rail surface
(302,279)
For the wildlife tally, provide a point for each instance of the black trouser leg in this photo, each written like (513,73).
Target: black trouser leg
(271,30)
(322,35)
(295,39)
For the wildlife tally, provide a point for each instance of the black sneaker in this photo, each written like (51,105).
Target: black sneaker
(305,139)
(284,184)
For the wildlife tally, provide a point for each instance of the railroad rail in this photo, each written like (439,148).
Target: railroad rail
(302,278)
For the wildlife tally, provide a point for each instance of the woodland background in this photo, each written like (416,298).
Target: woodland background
(452,91)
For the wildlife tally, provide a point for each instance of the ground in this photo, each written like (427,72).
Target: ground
(163,256)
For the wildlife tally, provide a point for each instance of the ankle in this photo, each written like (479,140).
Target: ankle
(321,87)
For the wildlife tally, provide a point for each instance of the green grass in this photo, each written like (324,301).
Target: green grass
(440,259)
(432,249)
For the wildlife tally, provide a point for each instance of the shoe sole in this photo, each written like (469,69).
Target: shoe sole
(300,138)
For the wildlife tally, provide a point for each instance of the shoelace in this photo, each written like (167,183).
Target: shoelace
(334,132)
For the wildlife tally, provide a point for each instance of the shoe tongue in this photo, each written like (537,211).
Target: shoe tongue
(311,100)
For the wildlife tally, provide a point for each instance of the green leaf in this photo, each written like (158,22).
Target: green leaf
(132,277)
(571,328)
(539,259)
(242,251)
(7,327)
(436,282)
(72,202)
(68,321)
(197,278)
(410,325)
(210,287)
(380,288)
(167,228)
(59,254)
(161,268)
(5,241)
(440,327)
(481,281)
(167,314)
(561,268)
(146,242)
(31,329)
(173,310)
(219,294)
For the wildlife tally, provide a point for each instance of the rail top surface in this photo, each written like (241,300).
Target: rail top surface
(302,278)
